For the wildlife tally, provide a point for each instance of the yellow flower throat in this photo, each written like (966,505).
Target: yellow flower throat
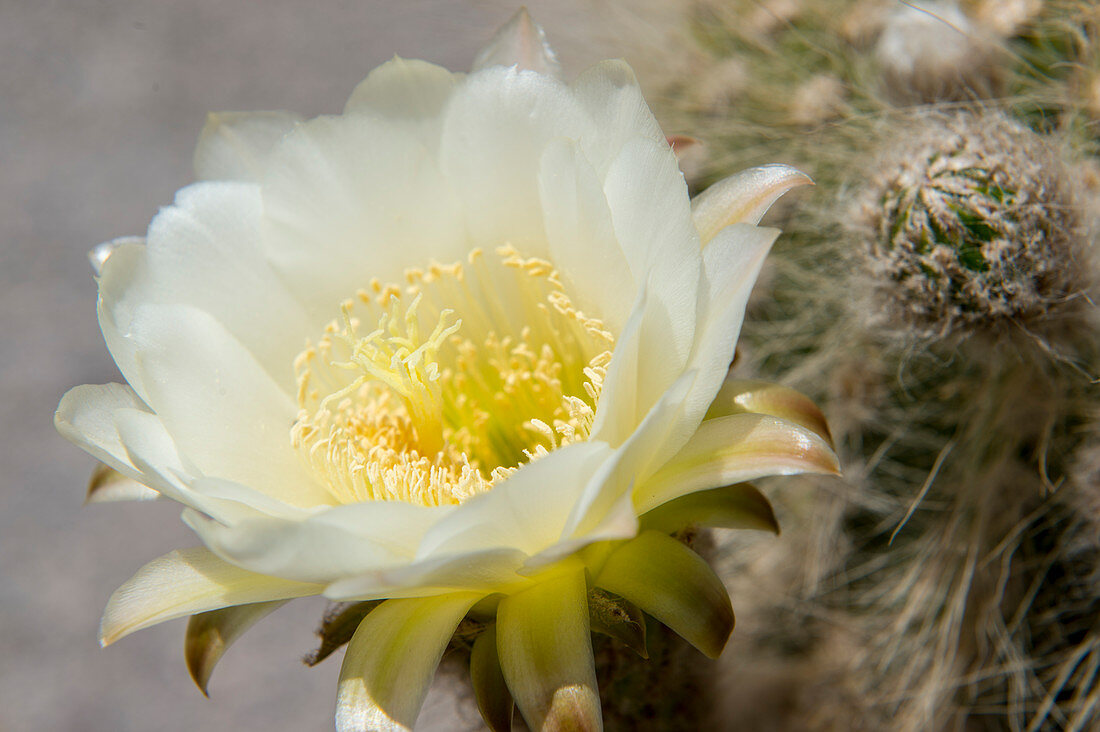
(469,371)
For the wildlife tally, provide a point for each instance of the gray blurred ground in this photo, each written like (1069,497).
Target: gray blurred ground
(100,105)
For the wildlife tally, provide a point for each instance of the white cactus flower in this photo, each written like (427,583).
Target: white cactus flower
(462,348)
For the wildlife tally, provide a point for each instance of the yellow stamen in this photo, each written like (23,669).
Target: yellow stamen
(434,419)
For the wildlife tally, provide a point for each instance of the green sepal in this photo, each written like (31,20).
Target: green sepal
(545,647)
(673,584)
(210,634)
(391,660)
(494,701)
(737,506)
(618,618)
(337,627)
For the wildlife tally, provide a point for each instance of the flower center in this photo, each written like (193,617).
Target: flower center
(469,371)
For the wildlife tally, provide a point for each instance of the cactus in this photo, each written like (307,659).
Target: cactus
(936,293)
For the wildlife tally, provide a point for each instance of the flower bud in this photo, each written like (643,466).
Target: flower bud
(970,223)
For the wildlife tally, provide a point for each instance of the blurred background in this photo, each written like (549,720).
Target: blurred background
(100,106)
(967,427)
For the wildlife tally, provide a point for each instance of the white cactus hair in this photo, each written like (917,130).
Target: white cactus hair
(950,580)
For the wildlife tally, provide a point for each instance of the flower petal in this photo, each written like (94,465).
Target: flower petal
(157,459)
(581,237)
(238,502)
(494,701)
(673,584)
(545,648)
(108,485)
(210,634)
(617,412)
(236,145)
(101,419)
(650,212)
(487,571)
(249,441)
(391,659)
(733,449)
(204,251)
(85,417)
(329,545)
(738,396)
(731,263)
(495,129)
(122,276)
(184,583)
(348,199)
(100,252)
(743,198)
(737,506)
(527,511)
(609,92)
(409,90)
(520,42)
(634,461)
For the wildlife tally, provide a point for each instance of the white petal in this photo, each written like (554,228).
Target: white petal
(236,145)
(409,91)
(731,262)
(520,42)
(247,502)
(339,542)
(114,426)
(609,93)
(495,129)
(617,522)
(352,198)
(735,449)
(527,511)
(124,277)
(186,582)
(764,397)
(617,412)
(581,237)
(222,408)
(98,255)
(391,660)
(663,431)
(651,213)
(206,251)
(86,417)
(743,197)
(488,571)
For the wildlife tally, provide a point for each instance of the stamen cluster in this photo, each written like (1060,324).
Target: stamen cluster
(471,370)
